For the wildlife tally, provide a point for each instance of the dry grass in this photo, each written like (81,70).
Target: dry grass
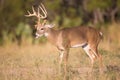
(40,62)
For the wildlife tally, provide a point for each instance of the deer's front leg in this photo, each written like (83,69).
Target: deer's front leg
(65,57)
(63,60)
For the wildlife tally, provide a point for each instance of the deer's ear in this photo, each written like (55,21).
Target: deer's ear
(50,26)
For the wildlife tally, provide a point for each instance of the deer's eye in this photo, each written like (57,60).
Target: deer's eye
(42,28)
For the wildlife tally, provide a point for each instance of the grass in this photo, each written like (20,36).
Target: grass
(40,62)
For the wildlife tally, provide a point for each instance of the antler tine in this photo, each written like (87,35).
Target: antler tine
(33,10)
(28,14)
(32,14)
(44,11)
(38,12)
(44,8)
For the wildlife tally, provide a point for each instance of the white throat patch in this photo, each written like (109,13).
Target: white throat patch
(46,34)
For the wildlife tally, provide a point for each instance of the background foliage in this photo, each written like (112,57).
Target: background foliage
(15,27)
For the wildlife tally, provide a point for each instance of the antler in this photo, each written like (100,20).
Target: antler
(37,14)
(42,7)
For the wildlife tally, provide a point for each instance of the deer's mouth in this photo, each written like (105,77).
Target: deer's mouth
(37,35)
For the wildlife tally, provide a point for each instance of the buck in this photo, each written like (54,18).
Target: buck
(82,36)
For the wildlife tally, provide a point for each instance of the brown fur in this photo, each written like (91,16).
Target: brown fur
(65,39)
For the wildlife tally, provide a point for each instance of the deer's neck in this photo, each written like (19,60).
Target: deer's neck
(52,35)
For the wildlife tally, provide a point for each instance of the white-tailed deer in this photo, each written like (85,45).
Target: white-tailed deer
(82,36)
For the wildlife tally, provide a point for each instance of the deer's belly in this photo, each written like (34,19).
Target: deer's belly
(79,45)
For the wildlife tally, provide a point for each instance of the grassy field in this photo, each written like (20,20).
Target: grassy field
(40,62)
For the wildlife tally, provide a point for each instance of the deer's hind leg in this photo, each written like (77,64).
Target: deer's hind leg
(94,50)
(98,56)
(87,49)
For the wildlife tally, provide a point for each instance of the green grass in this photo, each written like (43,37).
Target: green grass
(40,62)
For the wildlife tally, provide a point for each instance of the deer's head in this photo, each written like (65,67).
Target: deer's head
(41,26)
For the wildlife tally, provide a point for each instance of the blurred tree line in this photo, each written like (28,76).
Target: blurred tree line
(14,26)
